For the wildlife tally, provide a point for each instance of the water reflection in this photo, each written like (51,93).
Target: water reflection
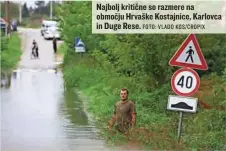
(73,108)
(14,75)
(5,79)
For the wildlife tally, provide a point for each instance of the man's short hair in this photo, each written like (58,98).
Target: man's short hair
(124,89)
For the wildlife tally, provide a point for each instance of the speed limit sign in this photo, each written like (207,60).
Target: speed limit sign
(185,82)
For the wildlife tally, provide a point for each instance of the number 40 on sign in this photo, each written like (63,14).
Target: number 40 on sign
(185,82)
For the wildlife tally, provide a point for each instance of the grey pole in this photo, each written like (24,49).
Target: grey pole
(6,18)
(51,10)
(20,12)
(179,125)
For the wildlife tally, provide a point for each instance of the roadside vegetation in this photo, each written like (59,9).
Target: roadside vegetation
(140,63)
(10,52)
(62,49)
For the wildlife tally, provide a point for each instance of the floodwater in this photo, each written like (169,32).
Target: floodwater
(37,114)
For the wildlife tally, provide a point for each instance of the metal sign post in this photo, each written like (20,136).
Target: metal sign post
(80,55)
(180,126)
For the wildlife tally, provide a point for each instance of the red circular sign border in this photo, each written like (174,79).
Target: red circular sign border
(181,70)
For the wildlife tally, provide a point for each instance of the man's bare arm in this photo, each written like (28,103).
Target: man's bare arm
(112,121)
(133,119)
(133,112)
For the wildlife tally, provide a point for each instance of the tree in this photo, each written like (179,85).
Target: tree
(25,11)
(31,10)
(14,9)
(40,5)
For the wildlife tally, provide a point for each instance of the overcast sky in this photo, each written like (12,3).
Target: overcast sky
(31,2)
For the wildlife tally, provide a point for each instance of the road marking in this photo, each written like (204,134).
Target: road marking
(36,70)
(58,63)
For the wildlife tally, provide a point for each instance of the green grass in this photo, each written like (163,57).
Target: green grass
(10,52)
(62,49)
(203,130)
(24,22)
(33,25)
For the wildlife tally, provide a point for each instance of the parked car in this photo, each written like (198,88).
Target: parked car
(51,32)
(47,24)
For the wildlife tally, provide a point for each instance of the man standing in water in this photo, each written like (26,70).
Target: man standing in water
(54,44)
(124,113)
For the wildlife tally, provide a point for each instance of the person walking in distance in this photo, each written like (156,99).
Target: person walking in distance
(124,113)
(54,44)
(35,49)
(190,52)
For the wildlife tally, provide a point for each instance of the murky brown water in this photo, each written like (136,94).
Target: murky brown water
(37,114)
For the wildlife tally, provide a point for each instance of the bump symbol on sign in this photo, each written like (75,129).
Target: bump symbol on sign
(180,103)
(185,82)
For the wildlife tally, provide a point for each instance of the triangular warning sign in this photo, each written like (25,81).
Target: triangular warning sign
(189,55)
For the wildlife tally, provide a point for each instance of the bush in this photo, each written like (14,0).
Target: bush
(10,52)
(140,63)
(201,130)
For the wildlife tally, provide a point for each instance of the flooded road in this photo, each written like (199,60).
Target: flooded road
(37,114)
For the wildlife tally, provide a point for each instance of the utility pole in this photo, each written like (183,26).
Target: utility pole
(20,12)
(9,17)
(6,18)
(51,9)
